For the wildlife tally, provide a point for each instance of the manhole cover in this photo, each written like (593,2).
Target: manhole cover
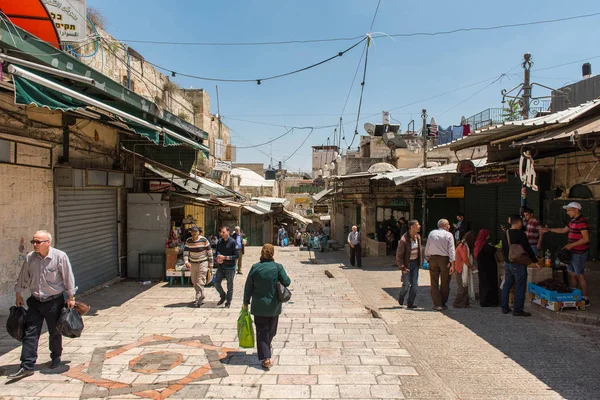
(157,362)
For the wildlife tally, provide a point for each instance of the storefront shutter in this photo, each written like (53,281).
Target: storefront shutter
(86,229)
(480,208)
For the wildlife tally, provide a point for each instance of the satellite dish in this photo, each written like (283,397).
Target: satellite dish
(370,128)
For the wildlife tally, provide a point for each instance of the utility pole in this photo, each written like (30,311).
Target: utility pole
(424,202)
(527,63)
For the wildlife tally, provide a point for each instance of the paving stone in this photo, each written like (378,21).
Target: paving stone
(355,391)
(285,392)
(297,380)
(325,391)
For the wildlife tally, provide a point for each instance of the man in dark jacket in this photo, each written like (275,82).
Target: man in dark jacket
(227,254)
(515,273)
(409,259)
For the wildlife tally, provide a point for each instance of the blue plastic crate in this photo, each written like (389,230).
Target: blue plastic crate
(552,295)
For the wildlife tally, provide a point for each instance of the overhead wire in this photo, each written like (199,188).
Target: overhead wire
(351,38)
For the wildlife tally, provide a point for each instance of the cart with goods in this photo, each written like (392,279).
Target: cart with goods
(555,295)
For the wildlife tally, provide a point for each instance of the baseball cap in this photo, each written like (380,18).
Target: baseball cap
(196,228)
(573,204)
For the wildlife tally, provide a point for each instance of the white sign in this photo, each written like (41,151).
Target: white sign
(224,166)
(69,18)
(527,171)
(218,148)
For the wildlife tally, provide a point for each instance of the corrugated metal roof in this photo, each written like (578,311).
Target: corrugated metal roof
(249,178)
(321,194)
(508,128)
(406,175)
(194,185)
(298,217)
(256,209)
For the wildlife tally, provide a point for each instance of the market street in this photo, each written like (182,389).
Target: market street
(146,342)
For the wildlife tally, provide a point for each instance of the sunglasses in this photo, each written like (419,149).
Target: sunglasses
(39,241)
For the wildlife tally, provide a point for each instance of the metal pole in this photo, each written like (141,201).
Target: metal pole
(424,202)
(527,63)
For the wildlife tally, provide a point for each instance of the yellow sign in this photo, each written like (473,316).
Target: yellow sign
(455,192)
(302,200)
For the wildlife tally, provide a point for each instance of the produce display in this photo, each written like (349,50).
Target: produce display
(555,285)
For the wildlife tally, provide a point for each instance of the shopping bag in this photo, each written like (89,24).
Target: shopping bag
(70,323)
(245,330)
(15,324)
(209,275)
(285,241)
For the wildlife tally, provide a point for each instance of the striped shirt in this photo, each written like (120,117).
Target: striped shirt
(575,227)
(533,231)
(197,251)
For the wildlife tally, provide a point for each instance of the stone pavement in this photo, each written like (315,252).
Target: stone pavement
(146,342)
(478,353)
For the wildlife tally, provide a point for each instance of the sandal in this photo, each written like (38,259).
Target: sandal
(266,364)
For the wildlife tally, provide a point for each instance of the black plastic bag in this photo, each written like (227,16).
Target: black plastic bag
(70,323)
(15,325)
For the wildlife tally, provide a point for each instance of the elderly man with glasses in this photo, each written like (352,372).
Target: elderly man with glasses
(47,274)
(439,251)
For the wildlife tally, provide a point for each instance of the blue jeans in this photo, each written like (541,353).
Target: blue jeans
(514,274)
(577,263)
(229,275)
(410,283)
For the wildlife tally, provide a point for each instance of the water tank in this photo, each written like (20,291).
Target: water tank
(270,174)
(586,70)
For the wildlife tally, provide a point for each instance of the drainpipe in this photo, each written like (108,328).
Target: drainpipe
(67,120)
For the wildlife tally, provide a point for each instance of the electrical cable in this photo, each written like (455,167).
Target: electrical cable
(301,144)
(362,90)
(260,80)
(285,42)
(268,142)
(473,95)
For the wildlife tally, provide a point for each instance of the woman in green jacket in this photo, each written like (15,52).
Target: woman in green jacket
(260,287)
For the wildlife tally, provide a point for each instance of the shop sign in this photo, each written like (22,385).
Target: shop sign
(398,202)
(321,209)
(491,174)
(527,172)
(465,167)
(356,190)
(356,182)
(224,166)
(302,200)
(69,18)
(455,192)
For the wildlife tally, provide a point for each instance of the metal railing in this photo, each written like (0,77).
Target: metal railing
(493,116)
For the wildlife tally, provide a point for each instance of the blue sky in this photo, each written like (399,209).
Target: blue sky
(400,71)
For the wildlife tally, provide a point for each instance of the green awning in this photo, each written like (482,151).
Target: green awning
(27,93)
(170,141)
(150,134)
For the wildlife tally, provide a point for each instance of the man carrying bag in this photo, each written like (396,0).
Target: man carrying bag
(518,254)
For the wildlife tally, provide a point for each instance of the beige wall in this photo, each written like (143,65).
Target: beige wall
(26,205)
(570,170)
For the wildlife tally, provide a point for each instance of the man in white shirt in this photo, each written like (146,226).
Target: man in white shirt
(355,249)
(439,252)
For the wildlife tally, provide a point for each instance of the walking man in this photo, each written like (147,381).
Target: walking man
(47,273)
(579,244)
(281,235)
(532,230)
(409,260)
(326,233)
(239,241)
(515,273)
(198,257)
(355,249)
(461,227)
(439,251)
(227,254)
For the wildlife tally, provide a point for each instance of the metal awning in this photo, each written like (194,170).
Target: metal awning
(569,133)
(298,217)
(406,175)
(508,129)
(34,89)
(323,193)
(191,184)
(256,209)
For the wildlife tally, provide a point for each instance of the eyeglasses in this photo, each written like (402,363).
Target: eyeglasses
(39,241)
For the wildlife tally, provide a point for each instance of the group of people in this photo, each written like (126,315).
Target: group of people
(47,274)
(392,233)
(455,251)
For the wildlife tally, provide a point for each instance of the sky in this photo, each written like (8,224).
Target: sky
(450,75)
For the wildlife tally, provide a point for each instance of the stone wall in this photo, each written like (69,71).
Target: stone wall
(26,205)
(572,169)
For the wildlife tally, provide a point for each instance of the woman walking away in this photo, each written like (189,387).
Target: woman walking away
(487,265)
(464,263)
(261,288)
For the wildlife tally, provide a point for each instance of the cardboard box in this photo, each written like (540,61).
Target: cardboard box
(536,275)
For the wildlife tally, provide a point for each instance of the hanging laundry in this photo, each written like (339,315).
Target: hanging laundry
(466,130)
(433,128)
(457,132)
(444,135)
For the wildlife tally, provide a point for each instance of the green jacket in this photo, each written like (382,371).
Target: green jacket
(260,286)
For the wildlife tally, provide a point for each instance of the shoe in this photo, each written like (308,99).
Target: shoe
(55,363)
(506,311)
(221,301)
(411,306)
(445,307)
(240,273)
(21,373)
(401,302)
(227,305)
(587,301)
(266,364)
(438,308)
(522,314)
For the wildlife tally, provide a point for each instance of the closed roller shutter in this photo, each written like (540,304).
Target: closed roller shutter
(480,208)
(86,229)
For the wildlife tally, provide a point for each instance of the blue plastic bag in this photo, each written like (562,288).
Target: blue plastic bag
(425,265)
(285,241)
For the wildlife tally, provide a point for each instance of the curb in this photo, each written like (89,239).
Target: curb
(580,318)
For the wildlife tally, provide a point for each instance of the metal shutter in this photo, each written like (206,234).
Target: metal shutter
(480,208)
(86,229)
